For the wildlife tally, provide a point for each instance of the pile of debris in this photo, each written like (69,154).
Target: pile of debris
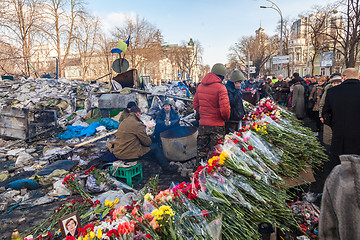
(34,165)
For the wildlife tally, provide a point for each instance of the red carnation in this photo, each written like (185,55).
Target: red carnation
(250,148)
(243,149)
(111,232)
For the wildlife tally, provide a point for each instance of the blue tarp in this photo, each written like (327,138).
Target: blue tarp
(78,131)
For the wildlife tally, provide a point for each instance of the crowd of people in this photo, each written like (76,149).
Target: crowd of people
(332,103)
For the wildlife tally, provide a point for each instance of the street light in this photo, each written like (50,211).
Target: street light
(276,8)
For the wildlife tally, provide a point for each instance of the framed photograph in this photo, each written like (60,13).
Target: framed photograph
(69,225)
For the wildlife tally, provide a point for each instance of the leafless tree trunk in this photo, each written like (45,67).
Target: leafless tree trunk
(145,42)
(18,22)
(62,17)
(287,23)
(258,50)
(87,36)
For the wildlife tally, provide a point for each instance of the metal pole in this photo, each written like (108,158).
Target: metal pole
(308,46)
(57,67)
(281,35)
(276,8)
(248,65)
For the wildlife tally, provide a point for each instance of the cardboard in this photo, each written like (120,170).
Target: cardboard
(306,176)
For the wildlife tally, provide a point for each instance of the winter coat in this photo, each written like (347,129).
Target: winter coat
(340,204)
(315,96)
(160,121)
(341,113)
(327,132)
(211,101)
(281,94)
(295,80)
(160,117)
(235,97)
(297,101)
(251,86)
(131,141)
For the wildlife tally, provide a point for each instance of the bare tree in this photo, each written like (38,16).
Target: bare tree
(186,56)
(9,59)
(18,22)
(106,58)
(287,23)
(145,42)
(86,38)
(203,70)
(346,33)
(257,49)
(61,17)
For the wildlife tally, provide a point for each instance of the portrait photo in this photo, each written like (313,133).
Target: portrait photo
(69,225)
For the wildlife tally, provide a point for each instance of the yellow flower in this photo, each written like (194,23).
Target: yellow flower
(92,235)
(99,234)
(265,132)
(86,237)
(116,201)
(79,238)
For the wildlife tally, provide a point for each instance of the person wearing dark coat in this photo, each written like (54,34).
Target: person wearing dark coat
(126,111)
(237,112)
(340,203)
(281,90)
(251,85)
(166,119)
(295,78)
(341,113)
(297,100)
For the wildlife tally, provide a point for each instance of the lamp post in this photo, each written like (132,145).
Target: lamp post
(276,8)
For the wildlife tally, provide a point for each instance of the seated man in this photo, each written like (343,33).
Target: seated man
(132,144)
(126,111)
(166,118)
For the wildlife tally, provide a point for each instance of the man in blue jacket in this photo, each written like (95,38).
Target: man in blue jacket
(166,119)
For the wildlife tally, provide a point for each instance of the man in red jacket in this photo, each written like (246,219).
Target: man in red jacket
(211,102)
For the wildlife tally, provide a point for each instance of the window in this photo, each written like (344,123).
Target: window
(322,71)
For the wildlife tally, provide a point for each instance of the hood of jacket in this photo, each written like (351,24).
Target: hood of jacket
(210,78)
(230,87)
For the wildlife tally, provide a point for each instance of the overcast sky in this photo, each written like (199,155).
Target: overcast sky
(215,24)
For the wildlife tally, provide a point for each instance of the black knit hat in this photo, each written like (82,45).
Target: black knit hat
(131,104)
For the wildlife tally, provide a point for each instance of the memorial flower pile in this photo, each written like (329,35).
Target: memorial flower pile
(228,196)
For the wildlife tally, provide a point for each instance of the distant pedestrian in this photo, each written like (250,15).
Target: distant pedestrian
(281,90)
(297,100)
(314,99)
(335,80)
(192,88)
(211,102)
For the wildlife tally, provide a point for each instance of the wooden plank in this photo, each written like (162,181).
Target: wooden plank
(95,139)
